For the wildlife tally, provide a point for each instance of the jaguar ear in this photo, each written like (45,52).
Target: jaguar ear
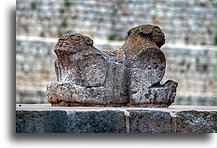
(157,29)
(129,32)
(88,40)
(135,31)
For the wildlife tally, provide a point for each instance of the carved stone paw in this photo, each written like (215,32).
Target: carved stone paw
(160,96)
(58,92)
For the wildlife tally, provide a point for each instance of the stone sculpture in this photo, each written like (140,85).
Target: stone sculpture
(129,76)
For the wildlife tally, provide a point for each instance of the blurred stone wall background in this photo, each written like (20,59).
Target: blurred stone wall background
(189,27)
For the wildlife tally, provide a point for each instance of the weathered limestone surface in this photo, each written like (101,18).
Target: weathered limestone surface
(41,121)
(150,122)
(86,75)
(128,76)
(96,122)
(43,118)
(195,122)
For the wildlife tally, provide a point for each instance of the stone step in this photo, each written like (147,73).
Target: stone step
(43,118)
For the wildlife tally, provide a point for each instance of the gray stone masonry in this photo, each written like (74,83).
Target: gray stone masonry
(183,21)
(42,118)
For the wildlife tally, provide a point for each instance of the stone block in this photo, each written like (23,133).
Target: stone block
(41,121)
(96,122)
(146,121)
(194,122)
(43,118)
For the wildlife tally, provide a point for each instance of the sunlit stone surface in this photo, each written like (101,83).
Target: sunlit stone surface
(129,76)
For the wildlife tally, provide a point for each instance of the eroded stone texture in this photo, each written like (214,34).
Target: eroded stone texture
(146,68)
(96,122)
(43,118)
(194,122)
(128,76)
(85,75)
(41,121)
(150,122)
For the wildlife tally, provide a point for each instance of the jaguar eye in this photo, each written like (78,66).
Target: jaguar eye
(89,41)
(157,29)
(142,34)
(146,33)
(75,37)
(65,44)
(60,40)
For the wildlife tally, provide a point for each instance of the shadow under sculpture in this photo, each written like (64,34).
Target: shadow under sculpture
(129,76)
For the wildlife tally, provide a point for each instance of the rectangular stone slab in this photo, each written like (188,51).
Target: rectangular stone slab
(43,118)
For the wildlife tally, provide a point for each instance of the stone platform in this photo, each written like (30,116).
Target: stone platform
(43,118)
